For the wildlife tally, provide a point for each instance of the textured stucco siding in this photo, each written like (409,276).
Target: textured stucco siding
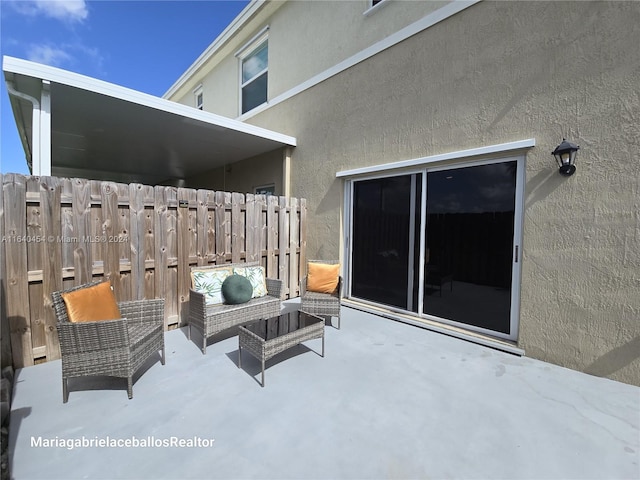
(244,176)
(217,99)
(494,73)
(325,33)
(328,32)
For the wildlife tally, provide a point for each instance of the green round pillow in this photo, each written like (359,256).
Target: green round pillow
(237,289)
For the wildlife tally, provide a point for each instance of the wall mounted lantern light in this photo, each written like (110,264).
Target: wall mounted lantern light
(565,154)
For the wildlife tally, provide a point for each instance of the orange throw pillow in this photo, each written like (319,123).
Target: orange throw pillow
(91,304)
(323,277)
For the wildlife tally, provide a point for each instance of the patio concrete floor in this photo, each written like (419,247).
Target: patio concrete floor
(389,400)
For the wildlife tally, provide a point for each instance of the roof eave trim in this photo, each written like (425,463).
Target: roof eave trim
(64,77)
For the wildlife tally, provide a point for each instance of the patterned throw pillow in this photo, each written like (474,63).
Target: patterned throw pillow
(256,276)
(209,282)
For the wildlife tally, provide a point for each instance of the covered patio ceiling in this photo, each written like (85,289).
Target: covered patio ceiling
(103,131)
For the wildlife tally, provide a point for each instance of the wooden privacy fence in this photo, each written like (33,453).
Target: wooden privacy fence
(59,232)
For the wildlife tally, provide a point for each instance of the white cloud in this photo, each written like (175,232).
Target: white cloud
(48,55)
(65,10)
(67,55)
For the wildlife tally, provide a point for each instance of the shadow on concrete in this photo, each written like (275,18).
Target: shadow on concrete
(252,366)
(616,359)
(17,416)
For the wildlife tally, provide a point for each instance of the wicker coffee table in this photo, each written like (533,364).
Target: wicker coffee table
(266,338)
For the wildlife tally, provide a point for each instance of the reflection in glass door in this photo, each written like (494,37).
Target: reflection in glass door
(469,245)
(440,243)
(385,213)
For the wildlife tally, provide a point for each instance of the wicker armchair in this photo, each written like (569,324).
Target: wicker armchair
(115,348)
(321,304)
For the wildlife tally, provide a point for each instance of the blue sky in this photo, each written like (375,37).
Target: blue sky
(144,45)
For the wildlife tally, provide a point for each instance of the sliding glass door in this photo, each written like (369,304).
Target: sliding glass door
(441,243)
(383,267)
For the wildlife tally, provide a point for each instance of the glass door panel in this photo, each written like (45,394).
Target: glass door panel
(469,245)
(384,258)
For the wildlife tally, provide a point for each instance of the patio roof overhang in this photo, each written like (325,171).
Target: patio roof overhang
(72,125)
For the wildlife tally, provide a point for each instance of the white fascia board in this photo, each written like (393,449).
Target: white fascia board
(425,22)
(64,77)
(472,152)
(226,34)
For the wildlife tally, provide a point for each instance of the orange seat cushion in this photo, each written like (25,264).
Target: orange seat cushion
(92,303)
(323,277)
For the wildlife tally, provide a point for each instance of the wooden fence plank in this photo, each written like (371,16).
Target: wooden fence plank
(97,253)
(137,238)
(171,288)
(283,244)
(302,235)
(68,238)
(34,226)
(14,190)
(227,226)
(82,254)
(186,201)
(293,246)
(50,191)
(237,227)
(220,228)
(272,236)
(110,249)
(36,235)
(202,221)
(5,338)
(148,250)
(121,239)
(161,249)
(258,232)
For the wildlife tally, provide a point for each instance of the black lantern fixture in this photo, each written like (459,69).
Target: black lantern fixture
(565,154)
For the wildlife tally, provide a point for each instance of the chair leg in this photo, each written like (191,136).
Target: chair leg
(163,355)
(130,387)
(338,321)
(189,332)
(65,391)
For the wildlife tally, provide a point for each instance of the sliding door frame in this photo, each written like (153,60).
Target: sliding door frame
(516,271)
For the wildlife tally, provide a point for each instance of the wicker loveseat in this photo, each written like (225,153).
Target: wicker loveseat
(212,319)
(116,348)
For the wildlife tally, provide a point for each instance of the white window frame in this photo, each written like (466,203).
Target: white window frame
(246,51)
(268,189)
(198,97)
(375,8)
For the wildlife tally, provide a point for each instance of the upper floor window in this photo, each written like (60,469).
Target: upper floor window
(375,5)
(199,98)
(255,71)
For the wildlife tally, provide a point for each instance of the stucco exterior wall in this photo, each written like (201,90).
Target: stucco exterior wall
(329,32)
(325,33)
(244,176)
(494,73)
